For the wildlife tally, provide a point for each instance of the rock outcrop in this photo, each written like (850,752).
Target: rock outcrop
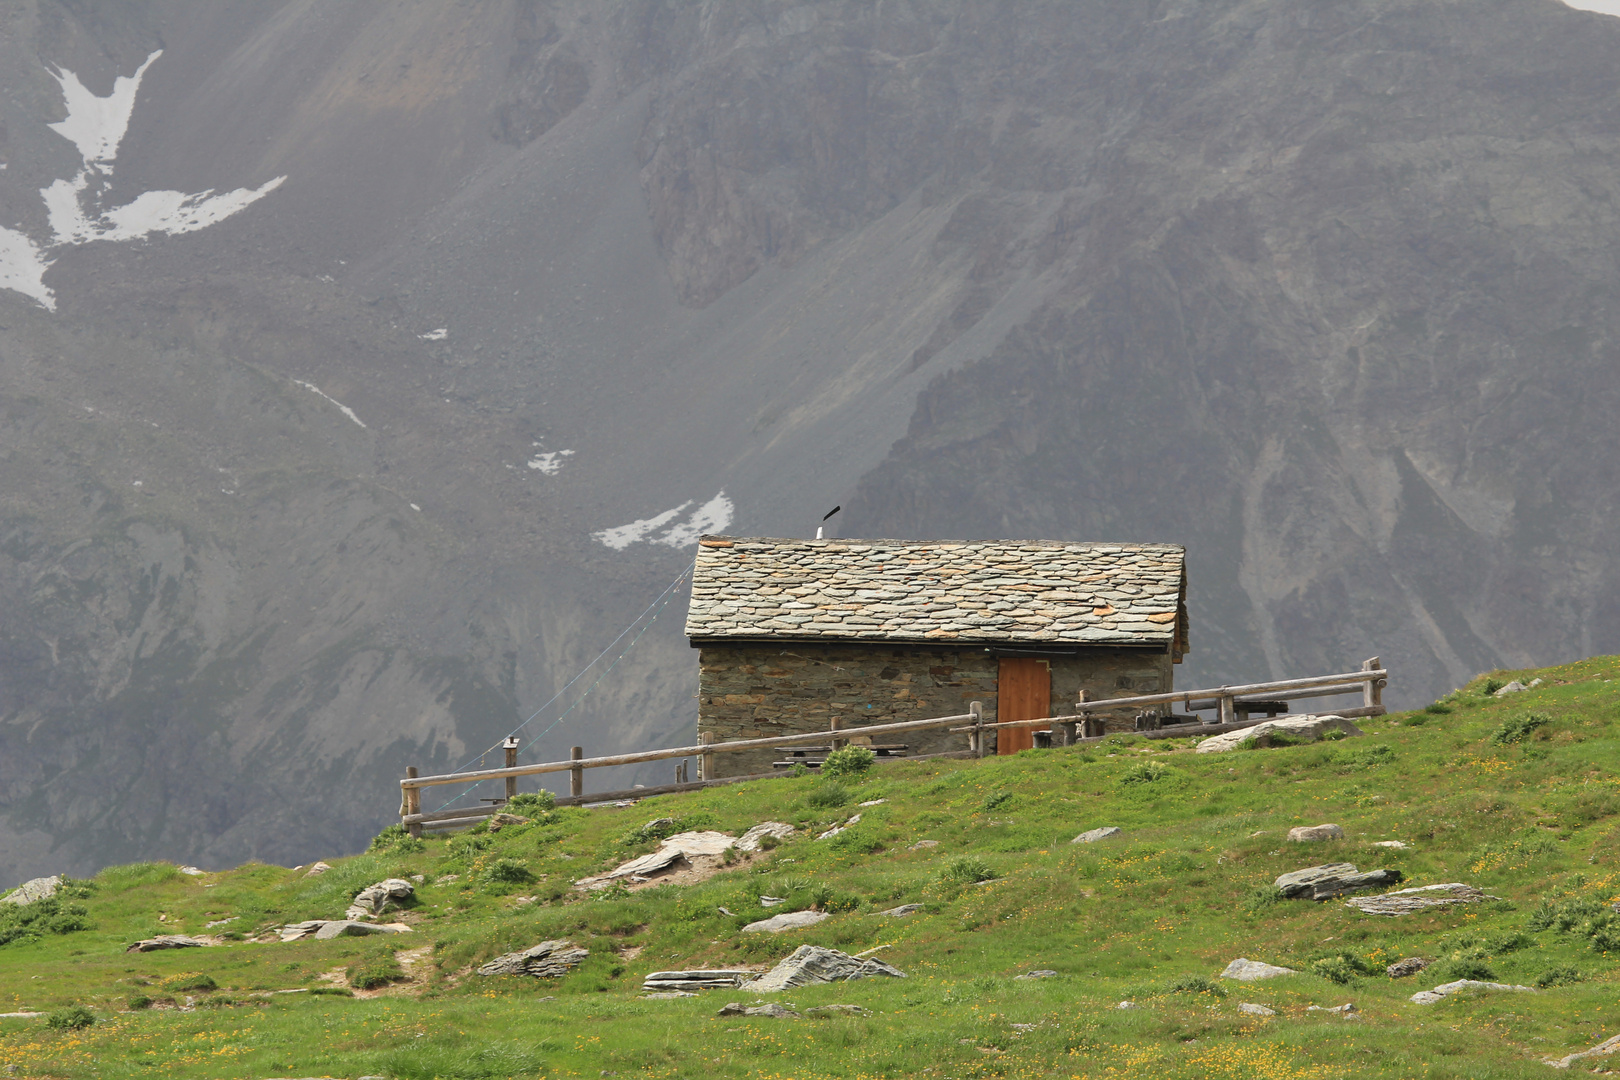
(35,889)
(1422,898)
(810,964)
(682,847)
(697,979)
(1445,990)
(384,896)
(547,960)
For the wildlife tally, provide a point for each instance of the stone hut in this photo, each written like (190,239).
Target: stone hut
(792,633)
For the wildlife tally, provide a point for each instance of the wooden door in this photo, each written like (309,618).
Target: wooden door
(1023,692)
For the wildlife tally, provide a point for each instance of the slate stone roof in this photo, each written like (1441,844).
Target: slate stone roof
(935,591)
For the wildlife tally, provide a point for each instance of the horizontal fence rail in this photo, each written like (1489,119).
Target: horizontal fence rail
(1084,725)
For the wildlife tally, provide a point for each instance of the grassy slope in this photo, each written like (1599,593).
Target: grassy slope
(1180,895)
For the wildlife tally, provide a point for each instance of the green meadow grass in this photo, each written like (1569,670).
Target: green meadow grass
(1518,796)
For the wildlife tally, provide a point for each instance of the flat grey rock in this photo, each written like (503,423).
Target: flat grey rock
(668,995)
(1094,835)
(547,960)
(39,888)
(1347,1009)
(166,941)
(828,1012)
(1307,728)
(1305,834)
(902,911)
(921,844)
(811,964)
(791,920)
(1445,990)
(682,846)
(771,1009)
(1043,973)
(749,841)
(1514,687)
(1423,898)
(1255,1010)
(1607,1046)
(336,928)
(697,979)
(1245,970)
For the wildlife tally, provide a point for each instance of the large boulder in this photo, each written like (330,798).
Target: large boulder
(39,888)
(1333,879)
(793,920)
(811,964)
(1245,970)
(1297,728)
(373,900)
(547,960)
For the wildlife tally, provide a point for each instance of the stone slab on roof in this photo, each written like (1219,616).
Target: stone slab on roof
(1007,591)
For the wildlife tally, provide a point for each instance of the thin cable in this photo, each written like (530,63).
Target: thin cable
(663,600)
(581,674)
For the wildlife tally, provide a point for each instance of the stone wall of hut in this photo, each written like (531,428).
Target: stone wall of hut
(758,691)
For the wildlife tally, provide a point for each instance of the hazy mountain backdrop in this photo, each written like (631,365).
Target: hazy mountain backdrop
(366,367)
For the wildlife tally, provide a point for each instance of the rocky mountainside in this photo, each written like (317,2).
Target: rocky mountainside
(365,369)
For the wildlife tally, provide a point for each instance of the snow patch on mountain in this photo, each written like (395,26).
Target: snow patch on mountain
(712,517)
(550,463)
(23,266)
(96,125)
(342,407)
(171,212)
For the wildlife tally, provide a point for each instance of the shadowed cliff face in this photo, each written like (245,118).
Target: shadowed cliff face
(289,501)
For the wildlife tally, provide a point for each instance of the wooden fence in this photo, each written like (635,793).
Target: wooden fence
(1233,707)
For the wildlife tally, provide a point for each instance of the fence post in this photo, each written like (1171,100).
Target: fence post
(1090,727)
(837,726)
(706,760)
(576,775)
(413,801)
(510,746)
(1372,691)
(976,710)
(1227,709)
